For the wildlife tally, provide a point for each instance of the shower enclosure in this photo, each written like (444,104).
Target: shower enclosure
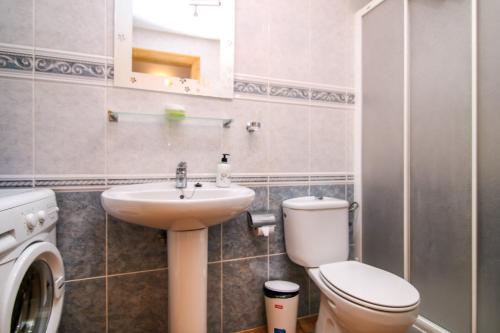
(428,154)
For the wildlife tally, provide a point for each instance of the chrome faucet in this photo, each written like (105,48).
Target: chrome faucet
(181,175)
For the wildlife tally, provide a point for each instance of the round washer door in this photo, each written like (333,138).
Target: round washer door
(35,291)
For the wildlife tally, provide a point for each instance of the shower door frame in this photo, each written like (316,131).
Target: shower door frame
(422,322)
(358,125)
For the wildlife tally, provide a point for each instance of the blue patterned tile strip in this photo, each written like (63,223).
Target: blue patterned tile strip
(16,61)
(289,92)
(250,87)
(53,65)
(328,96)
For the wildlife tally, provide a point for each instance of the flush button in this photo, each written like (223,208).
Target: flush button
(30,221)
(42,216)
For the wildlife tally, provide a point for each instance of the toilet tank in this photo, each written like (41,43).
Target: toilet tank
(316,230)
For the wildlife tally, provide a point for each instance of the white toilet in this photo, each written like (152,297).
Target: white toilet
(355,297)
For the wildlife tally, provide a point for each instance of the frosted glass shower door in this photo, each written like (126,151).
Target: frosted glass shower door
(440,149)
(382,67)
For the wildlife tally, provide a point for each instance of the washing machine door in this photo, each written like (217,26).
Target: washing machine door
(35,291)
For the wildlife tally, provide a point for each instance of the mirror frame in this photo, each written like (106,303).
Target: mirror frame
(124,77)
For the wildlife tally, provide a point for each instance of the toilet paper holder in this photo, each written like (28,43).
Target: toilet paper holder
(260,219)
(263,223)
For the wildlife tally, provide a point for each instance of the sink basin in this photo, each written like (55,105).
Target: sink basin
(186,214)
(161,205)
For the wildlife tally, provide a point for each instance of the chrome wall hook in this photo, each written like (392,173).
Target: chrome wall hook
(353,206)
(253,126)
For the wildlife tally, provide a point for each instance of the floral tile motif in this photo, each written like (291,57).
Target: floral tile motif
(328,96)
(53,65)
(16,61)
(110,72)
(290,92)
(250,87)
(351,98)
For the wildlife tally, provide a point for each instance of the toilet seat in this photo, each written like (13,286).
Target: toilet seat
(369,286)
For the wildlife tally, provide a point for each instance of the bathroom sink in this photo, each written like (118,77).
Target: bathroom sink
(186,214)
(161,205)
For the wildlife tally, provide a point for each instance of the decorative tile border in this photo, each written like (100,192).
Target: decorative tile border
(288,179)
(206,179)
(110,72)
(12,61)
(351,98)
(58,65)
(16,183)
(328,96)
(51,65)
(245,180)
(327,178)
(100,182)
(132,181)
(250,87)
(69,182)
(273,90)
(289,92)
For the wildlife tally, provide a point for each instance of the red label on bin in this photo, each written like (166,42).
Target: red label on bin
(278,306)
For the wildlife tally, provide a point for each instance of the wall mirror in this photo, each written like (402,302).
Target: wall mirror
(177,46)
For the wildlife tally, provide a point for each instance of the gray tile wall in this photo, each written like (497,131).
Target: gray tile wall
(118,272)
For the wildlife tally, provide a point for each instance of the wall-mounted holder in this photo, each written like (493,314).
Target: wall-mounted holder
(114,116)
(263,223)
(253,126)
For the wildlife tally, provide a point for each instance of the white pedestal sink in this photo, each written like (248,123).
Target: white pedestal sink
(186,214)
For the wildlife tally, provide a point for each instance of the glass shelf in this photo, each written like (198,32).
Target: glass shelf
(114,116)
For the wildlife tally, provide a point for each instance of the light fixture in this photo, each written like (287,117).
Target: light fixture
(204,3)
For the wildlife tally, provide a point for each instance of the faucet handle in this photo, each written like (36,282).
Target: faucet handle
(182,164)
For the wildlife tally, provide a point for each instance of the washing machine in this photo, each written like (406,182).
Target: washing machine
(31,267)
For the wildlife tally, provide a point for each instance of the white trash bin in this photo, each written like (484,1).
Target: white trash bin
(282,305)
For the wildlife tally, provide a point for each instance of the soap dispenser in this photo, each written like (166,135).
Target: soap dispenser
(223,178)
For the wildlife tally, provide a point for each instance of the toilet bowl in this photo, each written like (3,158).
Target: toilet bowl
(340,312)
(355,297)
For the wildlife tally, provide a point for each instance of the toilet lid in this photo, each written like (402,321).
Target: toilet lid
(370,285)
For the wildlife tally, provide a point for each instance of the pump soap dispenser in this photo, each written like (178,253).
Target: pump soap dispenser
(223,172)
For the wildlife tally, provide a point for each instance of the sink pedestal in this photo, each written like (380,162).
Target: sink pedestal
(187,281)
